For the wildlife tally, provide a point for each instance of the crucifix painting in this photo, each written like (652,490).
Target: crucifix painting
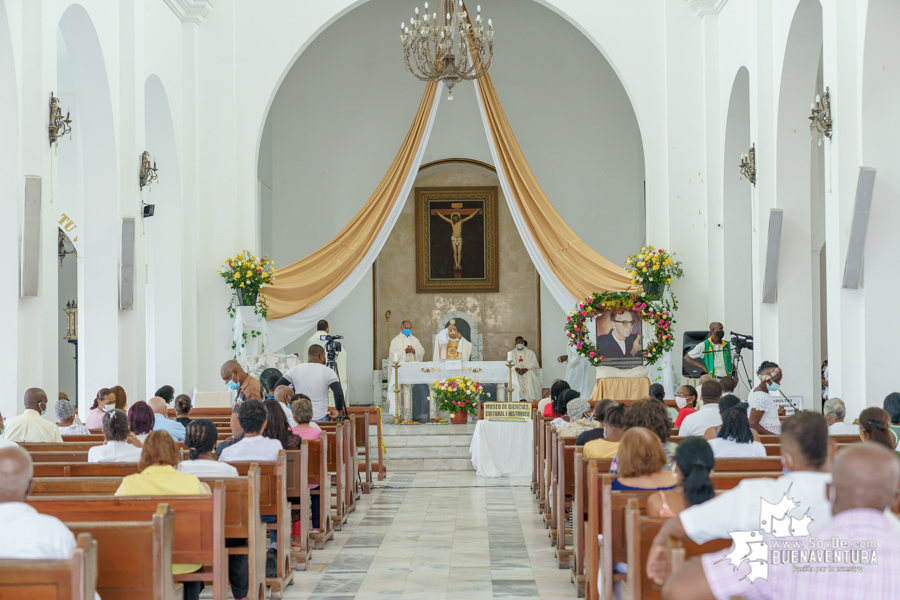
(456,239)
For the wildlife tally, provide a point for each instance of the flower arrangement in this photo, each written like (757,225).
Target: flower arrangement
(247,274)
(653,268)
(457,394)
(656,313)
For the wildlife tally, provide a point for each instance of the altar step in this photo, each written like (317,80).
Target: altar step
(425,447)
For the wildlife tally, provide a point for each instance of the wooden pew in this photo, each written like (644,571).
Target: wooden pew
(365,415)
(350,471)
(318,474)
(579,515)
(297,490)
(565,490)
(43,579)
(335,461)
(199,526)
(535,451)
(551,469)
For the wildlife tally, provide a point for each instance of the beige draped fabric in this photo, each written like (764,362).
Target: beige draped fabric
(581,270)
(303,283)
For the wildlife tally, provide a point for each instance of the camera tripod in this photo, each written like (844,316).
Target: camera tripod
(737,359)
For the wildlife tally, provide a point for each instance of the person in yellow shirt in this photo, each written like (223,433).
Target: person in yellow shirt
(607,446)
(158,477)
(30,426)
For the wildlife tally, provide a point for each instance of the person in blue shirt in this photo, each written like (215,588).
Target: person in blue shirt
(173,428)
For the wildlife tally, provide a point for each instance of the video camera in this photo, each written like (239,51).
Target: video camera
(332,347)
(739,341)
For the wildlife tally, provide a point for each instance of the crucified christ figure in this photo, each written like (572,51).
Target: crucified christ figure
(456,237)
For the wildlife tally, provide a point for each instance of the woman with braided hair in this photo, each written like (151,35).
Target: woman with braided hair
(694,462)
(200,439)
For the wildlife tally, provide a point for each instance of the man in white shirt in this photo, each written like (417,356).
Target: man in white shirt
(835,411)
(805,455)
(30,426)
(708,416)
(340,359)
(313,379)
(254,446)
(26,533)
(712,355)
(407,346)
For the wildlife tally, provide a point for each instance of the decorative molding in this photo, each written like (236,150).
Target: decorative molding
(456,161)
(707,7)
(191,11)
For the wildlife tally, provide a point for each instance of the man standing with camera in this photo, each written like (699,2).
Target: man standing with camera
(715,352)
(314,380)
(340,359)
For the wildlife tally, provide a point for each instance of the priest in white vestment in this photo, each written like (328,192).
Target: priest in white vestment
(449,344)
(340,359)
(407,346)
(525,363)
(580,375)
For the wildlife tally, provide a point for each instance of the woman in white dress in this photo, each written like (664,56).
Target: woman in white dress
(67,421)
(735,438)
(763,412)
(200,439)
(121,445)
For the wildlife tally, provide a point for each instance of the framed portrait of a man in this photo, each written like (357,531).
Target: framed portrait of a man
(456,240)
(620,339)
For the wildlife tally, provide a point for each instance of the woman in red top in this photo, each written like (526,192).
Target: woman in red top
(553,410)
(686,399)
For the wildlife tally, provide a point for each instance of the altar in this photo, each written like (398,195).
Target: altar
(411,373)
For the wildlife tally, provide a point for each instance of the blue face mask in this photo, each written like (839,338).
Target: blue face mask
(407,332)
(233,385)
(772,387)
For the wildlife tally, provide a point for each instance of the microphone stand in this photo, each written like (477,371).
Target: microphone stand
(788,401)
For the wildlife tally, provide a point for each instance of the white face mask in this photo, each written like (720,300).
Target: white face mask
(109,407)
(680,402)
(520,346)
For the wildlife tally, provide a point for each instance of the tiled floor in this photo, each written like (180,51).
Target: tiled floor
(438,535)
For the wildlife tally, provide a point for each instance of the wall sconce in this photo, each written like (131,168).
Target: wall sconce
(147,173)
(71,311)
(58,126)
(748,164)
(821,117)
(61,251)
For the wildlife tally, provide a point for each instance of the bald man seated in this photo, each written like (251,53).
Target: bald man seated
(30,426)
(857,552)
(26,533)
(161,422)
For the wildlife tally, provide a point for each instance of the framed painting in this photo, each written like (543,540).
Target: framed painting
(456,240)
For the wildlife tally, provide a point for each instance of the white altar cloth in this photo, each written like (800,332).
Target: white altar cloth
(502,448)
(483,372)
(247,321)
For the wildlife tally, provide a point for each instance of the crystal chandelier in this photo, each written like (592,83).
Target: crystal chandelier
(447,46)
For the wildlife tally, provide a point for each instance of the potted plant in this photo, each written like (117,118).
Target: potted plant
(654,269)
(247,275)
(459,396)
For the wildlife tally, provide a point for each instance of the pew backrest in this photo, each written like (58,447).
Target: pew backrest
(69,579)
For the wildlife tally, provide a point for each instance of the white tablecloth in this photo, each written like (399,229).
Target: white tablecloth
(502,448)
(246,321)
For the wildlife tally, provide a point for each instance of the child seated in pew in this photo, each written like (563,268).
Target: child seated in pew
(694,462)
(200,439)
(301,407)
(735,438)
(121,445)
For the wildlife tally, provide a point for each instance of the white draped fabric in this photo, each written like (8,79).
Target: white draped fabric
(502,448)
(284,331)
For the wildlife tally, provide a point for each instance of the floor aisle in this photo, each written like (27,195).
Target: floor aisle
(438,535)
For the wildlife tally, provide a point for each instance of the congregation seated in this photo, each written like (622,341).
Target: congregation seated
(553,409)
(728,401)
(875,426)
(650,414)
(708,416)
(183,410)
(103,403)
(658,392)
(66,421)
(694,461)
(686,399)
(277,427)
(166,392)
(162,423)
(282,396)
(864,487)
(892,406)
(642,461)
(140,420)
(30,426)
(600,418)
(159,477)
(735,437)
(835,411)
(121,445)
(728,385)
(27,534)
(253,445)
(302,409)
(607,446)
(200,440)
(579,411)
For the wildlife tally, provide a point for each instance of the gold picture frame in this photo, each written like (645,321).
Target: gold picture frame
(464,263)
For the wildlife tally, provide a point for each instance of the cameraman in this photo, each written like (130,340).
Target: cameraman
(314,379)
(715,352)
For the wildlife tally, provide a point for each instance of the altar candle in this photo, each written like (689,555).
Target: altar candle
(509,356)
(396,357)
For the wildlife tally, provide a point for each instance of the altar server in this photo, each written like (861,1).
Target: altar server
(407,346)
(340,359)
(525,363)
(449,344)
(579,373)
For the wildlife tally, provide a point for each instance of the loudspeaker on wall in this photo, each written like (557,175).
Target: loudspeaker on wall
(31,238)
(856,245)
(126,284)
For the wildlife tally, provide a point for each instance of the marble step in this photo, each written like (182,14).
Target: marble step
(427,464)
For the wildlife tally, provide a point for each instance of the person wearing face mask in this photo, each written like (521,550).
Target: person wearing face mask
(715,353)
(525,362)
(763,413)
(247,386)
(104,402)
(686,399)
(407,346)
(30,426)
